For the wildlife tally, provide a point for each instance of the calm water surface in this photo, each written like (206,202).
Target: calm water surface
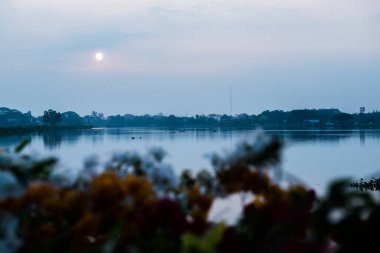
(312,157)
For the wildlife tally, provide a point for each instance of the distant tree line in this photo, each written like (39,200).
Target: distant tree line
(276,118)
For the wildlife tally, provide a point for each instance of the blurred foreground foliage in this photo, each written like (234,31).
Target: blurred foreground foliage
(370,185)
(137,204)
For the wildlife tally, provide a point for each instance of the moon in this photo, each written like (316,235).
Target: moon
(99,56)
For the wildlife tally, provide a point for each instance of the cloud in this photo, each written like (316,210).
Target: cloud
(182,37)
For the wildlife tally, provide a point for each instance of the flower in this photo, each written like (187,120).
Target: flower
(138,191)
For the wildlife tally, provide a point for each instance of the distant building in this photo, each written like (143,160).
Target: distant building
(362,109)
(311,121)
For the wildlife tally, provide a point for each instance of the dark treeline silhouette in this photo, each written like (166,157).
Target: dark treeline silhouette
(321,118)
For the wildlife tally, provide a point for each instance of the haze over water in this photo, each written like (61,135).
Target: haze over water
(312,157)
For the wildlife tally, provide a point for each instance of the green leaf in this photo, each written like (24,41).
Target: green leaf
(42,168)
(205,244)
(22,145)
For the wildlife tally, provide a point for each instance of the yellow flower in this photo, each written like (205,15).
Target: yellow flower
(139,190)
(37,192)
(87,225)
(199,203)
(52,204)
(106,189)
(259,200)
(73,199)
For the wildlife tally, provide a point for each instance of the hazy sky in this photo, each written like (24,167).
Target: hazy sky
(181,56)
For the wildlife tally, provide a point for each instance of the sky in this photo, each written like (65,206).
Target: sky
(182,56)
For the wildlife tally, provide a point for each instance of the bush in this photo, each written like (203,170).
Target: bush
(137,204)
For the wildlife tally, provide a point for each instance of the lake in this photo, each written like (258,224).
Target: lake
(314,157)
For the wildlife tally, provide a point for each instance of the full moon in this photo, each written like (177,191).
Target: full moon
(99,56)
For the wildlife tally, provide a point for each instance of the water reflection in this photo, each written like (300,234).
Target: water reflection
(326,135)
(312,156)
(362,138)
(12,140)
(53,139)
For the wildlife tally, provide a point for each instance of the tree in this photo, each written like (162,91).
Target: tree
(52,117)
(97,115)
(71,119)
(342,118)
